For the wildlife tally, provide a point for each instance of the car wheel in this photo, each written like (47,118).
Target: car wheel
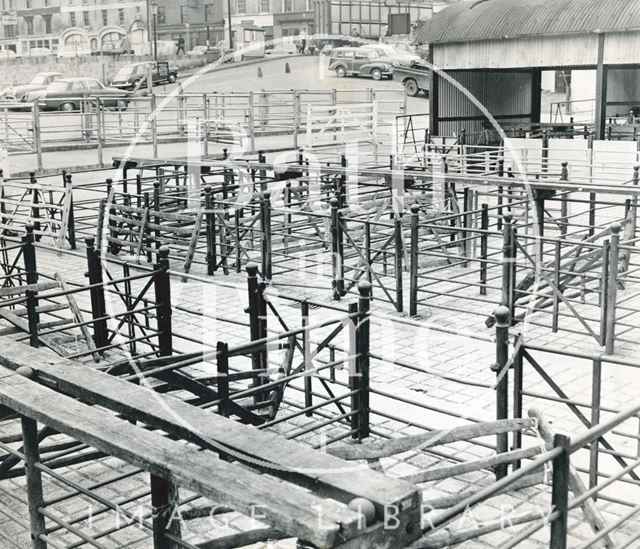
(122,104)
(341,72)
(411,87)
(172,78)
(67,107)
(376,74)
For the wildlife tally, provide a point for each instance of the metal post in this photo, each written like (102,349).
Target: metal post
(164,494)
(361,373)
(265,225)
(518,387)
(560,493)
(33,475)
(37,137)
(604,285)
(306,348)
(257,323)
(413,277)
(556,283)
(399,253)
(71,219)
(484,248)
(507,290)
(612,289)
(222,366)
(98,307)
(210,221)
(564,204)
(502,317)
(596,393)
(30,267)
(336,251)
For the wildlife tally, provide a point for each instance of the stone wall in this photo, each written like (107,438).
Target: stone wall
(18,71)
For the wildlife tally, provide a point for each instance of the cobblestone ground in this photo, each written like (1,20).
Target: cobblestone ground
(433,373)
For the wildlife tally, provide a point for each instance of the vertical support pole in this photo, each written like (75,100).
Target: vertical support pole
(210,222)
(518,387)
(154,123)
(37,136)
(336,250)
(71,219)
(484,248)
(560,493)
(556,283)
(502,384)
(545,151)
(564,203)
(367,249)
(354,376)
(265,221)
(612,289)
(601,91)
(35,200)
(257,323)
(251,123)
(362,359)
(164,494)
(604,284)
(147,230)
(507,290)
(222,365)
(98,306)
(34,482)
(399,254)
(31,270)
(413,277)
(596,393)
(308,367)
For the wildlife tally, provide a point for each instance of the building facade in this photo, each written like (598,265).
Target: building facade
(73,27)
(198,22)
(279,18)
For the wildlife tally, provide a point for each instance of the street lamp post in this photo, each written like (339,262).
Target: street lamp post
(230,30)
(154,9)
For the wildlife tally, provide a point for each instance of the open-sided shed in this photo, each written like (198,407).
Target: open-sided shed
(497,49)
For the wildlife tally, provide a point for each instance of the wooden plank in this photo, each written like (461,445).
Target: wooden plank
(325,473)
(241,539)
(438,473)
(301,514)
(386,448)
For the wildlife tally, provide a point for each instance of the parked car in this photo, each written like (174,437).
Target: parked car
(66,94)
(39,82)
(359,62)
(415,78)
(396,56)
(134,76)
(198,51)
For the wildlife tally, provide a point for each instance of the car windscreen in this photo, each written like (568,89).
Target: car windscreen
(58,86)
(126,72)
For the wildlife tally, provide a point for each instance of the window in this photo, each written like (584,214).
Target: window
(288,5)
(72,18)
(78,85)
(265,6)
(209,13)
(9,31)
(29,22)
(93,84)
(121,16)
(47,24)
(241,6)
(105,18)
(28,4)
(85,18)
(184,14)
(162,15)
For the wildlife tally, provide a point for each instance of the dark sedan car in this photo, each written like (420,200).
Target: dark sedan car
(134,76)
(67,94)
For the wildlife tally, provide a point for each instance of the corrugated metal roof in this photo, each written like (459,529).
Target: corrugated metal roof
(495,19)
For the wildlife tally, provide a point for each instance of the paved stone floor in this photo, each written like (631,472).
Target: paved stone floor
(435,377)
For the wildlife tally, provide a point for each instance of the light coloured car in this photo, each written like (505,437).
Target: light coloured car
(198,51)
(39,82)
(397,57)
